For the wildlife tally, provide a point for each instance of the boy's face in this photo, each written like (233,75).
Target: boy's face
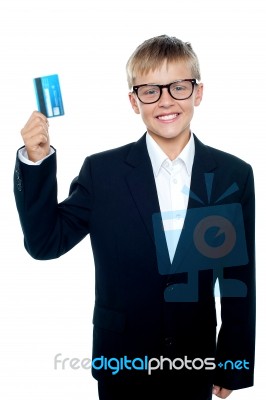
(168,120)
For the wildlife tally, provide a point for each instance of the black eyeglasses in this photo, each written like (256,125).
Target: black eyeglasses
(181,89)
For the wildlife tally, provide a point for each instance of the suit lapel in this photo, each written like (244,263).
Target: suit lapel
(141,183)
(203,165)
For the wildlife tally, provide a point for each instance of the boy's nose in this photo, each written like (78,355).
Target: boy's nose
(166,99)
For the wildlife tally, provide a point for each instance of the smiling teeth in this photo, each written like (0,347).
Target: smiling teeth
(167,117)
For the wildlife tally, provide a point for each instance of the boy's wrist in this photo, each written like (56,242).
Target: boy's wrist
(23,156)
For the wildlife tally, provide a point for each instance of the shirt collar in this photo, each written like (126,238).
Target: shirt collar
(158,157)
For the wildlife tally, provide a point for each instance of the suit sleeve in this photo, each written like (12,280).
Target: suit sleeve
(51,229)
(236,339)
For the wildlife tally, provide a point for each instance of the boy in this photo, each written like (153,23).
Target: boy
(166,215)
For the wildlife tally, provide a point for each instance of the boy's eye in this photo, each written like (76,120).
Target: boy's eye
(178,88)
(149,91)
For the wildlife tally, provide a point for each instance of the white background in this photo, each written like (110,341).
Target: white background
(46,307)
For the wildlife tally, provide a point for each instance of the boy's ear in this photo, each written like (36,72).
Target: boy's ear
(133,101)
(198,95)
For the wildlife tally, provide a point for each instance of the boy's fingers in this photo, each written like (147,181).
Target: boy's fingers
(220,392)
(35,117)
(34,129)
(36,136)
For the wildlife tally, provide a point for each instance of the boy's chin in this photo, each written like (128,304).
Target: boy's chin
(171,136)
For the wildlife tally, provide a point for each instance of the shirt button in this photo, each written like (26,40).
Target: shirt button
(174,180)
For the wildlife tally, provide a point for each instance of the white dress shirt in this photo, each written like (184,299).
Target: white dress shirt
(172,180)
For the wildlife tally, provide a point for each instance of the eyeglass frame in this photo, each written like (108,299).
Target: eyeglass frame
(135,89)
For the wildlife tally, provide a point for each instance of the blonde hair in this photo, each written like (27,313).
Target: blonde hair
(152,53)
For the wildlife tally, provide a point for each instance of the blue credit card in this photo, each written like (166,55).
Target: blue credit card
(48,94)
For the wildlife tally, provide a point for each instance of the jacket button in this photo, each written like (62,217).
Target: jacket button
(168,341)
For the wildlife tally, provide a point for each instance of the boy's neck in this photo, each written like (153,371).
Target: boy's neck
(172,147)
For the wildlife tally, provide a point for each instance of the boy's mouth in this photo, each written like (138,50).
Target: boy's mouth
(168,117)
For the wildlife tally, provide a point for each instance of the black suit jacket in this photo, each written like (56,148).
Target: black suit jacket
(114,199)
